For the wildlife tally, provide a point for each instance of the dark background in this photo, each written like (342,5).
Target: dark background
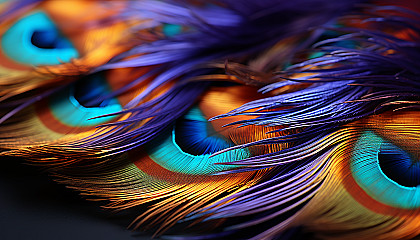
(34,207)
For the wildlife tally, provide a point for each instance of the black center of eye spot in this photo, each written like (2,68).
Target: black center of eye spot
(91,92)
(198,137)
(49,39)
(399,166)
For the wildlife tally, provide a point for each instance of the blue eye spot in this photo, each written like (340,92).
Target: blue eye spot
(187,148)
(398,165)
(49,39)
(385,172)
(83,101)
(195,135)
(35,40)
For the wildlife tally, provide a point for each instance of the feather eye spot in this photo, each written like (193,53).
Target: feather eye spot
(35,40)
(82,102)
(171,30)
(190,152)
(380,169)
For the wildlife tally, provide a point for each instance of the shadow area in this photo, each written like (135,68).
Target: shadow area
(32,206)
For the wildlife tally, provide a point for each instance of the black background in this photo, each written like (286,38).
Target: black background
(34,207)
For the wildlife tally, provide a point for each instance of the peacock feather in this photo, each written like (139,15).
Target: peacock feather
(222,119)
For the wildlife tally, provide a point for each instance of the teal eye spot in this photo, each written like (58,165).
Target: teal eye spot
(171,30)
(188,146)
(385,172)
(35,40)
(77,105)
(316,55)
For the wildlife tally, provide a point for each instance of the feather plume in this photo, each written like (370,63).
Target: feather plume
(247,118)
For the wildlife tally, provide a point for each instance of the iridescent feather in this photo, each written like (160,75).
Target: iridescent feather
(246,118)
